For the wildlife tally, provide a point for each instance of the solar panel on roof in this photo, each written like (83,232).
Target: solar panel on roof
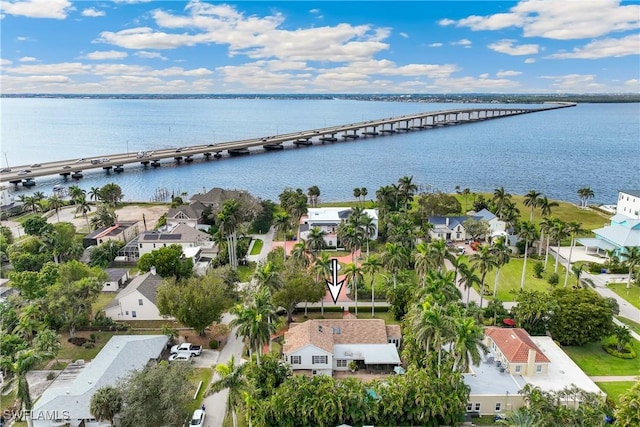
(151,237)
(172,236)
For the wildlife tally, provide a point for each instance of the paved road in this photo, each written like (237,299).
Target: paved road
(216,404)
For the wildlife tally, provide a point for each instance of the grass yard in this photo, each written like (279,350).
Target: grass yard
(104,298)
(204,375)
(69,351)
(634,326)
(631,295)
(615,389)
(246,271)
(594,361)
(257,247)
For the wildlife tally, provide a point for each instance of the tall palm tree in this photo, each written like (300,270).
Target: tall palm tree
(502,252)
(394,259)
(558,232)
(299,253)
(573,228)
(83,207)
(315,241)
(232,378)
(485,261)
(354,276)
(545,225)
(631,257)
(23,362)
(532,199)
(430,325)
(422,260)
(282,222)
(370,266)
(585,193)
(313,192)
(406,189)
(468,343)
(363,194)
(351,237)
(76,193)
(441,287)
(528,233)
(499,200)
(56,203)
(94,194)
(322,269)
(468,278)
(368,226)
(356,193)
(267,275)
(229,219)
(438,253)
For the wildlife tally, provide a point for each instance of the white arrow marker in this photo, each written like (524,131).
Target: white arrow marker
(334,286)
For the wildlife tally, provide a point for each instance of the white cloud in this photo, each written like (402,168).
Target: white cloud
(634,84)
(561,20)
(93,13)
(461,42)
(27,59)
(472,84)
(605,48)
(24,39)
(405,35)
(578,83)
(529,60)
(508,47)
(150,55)
(106,55)
(435,45)
(508,73)
(484,76)
(54,9)
(5,62)
(48,69)
(314,11)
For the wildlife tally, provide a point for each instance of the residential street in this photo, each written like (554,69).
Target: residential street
(216,404)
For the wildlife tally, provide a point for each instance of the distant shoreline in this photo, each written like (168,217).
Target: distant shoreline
(425,98)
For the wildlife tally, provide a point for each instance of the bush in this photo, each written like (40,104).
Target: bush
(554,279)
(50,376)
(88,344)
(538,269)
(79,341)
(213,344)
(93,337)
(627,352)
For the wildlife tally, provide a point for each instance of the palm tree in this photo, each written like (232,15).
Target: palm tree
(545,206)
(231,378)
(351,237)
(228,220)
(623,336)
(56,203)
(558,232)
(299,253)
(322,269)
(438,253)
(577,270)
(485,261)
(394,259)
(267,275)
(363,194)
(532,199)
(94,194)
(430,324)
(83,207)
(545,225)
(631,257)
(30,202)
(573,228)
(468,277)
(503,255)
(105,403)
(422,260)
(282,222)
(528,233)
(313,192)
(315,240)
(406,189)
(585,193)
(76,193)
(367,224)
(499,200)
(370,266)
(21,365)
(466,193)
(354,276)
(468,343)
(441,287)
(356,193)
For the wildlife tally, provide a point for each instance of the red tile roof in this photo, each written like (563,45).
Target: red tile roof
(515,343)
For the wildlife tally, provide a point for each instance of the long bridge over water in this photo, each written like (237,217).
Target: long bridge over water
(75,168)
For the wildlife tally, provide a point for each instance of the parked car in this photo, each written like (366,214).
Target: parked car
(66,167)
(24,172)
(194,350)
(80,160)
(36,165)
(5,170)
(96,161)
(461,250)
(105,160)
(181,356)
(197,419)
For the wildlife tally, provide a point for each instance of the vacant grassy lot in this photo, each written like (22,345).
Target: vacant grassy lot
(614,390)
(593,360)
(632,295)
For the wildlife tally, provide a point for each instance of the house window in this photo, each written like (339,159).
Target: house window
(134,314)
(498,406)
(477,407)
(126,313)
(154,245)
(139,302)
(518,369)
(296,360)
(538,369)
(341,363)
(140,245)
(469,407)
(316,360)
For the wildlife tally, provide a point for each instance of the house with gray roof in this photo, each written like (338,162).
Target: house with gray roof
(185,214)
(138,300)
(329,218)
(66,401)
(452,227)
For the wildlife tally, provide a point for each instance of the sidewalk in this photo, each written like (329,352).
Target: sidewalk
(614,378)
(267,241)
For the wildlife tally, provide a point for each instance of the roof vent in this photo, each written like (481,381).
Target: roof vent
(319,328)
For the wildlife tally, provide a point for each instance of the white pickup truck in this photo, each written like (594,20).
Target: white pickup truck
(195,350)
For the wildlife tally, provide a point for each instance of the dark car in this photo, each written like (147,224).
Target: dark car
(36,165)
(5,170)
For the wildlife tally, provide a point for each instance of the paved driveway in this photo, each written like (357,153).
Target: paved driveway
(207,359)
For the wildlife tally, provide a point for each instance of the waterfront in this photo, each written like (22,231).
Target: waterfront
(554,152)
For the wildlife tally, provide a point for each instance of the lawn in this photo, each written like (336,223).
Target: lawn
(103,300)
(593,360)
(615,389)
(204,375)
(631,295)
(246,271)
(69,351)
(634,326)
(257,247)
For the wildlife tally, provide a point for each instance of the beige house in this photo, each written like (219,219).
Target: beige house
(516,359)
(322,346)
(138,300)
(123,231)
(181,234)
(328,219)
(185,214)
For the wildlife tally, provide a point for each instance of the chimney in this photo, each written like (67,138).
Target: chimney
(152,270)
(446,221)
(531,361)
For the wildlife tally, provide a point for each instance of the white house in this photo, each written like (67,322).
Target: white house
(452,227)
(181,234)
(624,229)
(6,197)
(123,231)
(322,346)
(516,359)
(137,301)
(328,220)
(185,214)
(66,401)
(116,278)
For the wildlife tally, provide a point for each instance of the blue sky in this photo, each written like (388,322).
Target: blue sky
(141,46)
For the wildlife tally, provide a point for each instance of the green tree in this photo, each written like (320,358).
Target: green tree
(61,242)
(631,257)
(484,261)
(500,200)
(157,395)
(298,286)
(502,254)
(394,258)
(532,200)
(56,203)
(627,412)
(468,278)
(371,265)
(528,233)
(195,302)
(476,228)
(228,220)
(581,316)
(47,341)
(105,215)
(264,379)
(111,194)
(314,193)
(267,275)
(282,222)
(315,241)
(354,276)
(294,203)
(94,194)
(322,271)
(468,345)
(585,193)
(439,204)
(103,254)
(232,378)
(622,335)
(23,362)
(534,310)
(106,403)
(168,262)
(573,228)
(35,226)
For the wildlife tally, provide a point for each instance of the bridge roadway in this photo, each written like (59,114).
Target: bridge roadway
(26,174)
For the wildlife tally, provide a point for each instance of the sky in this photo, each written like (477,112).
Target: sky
(270,47)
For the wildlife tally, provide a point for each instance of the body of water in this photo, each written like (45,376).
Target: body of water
(554,152)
